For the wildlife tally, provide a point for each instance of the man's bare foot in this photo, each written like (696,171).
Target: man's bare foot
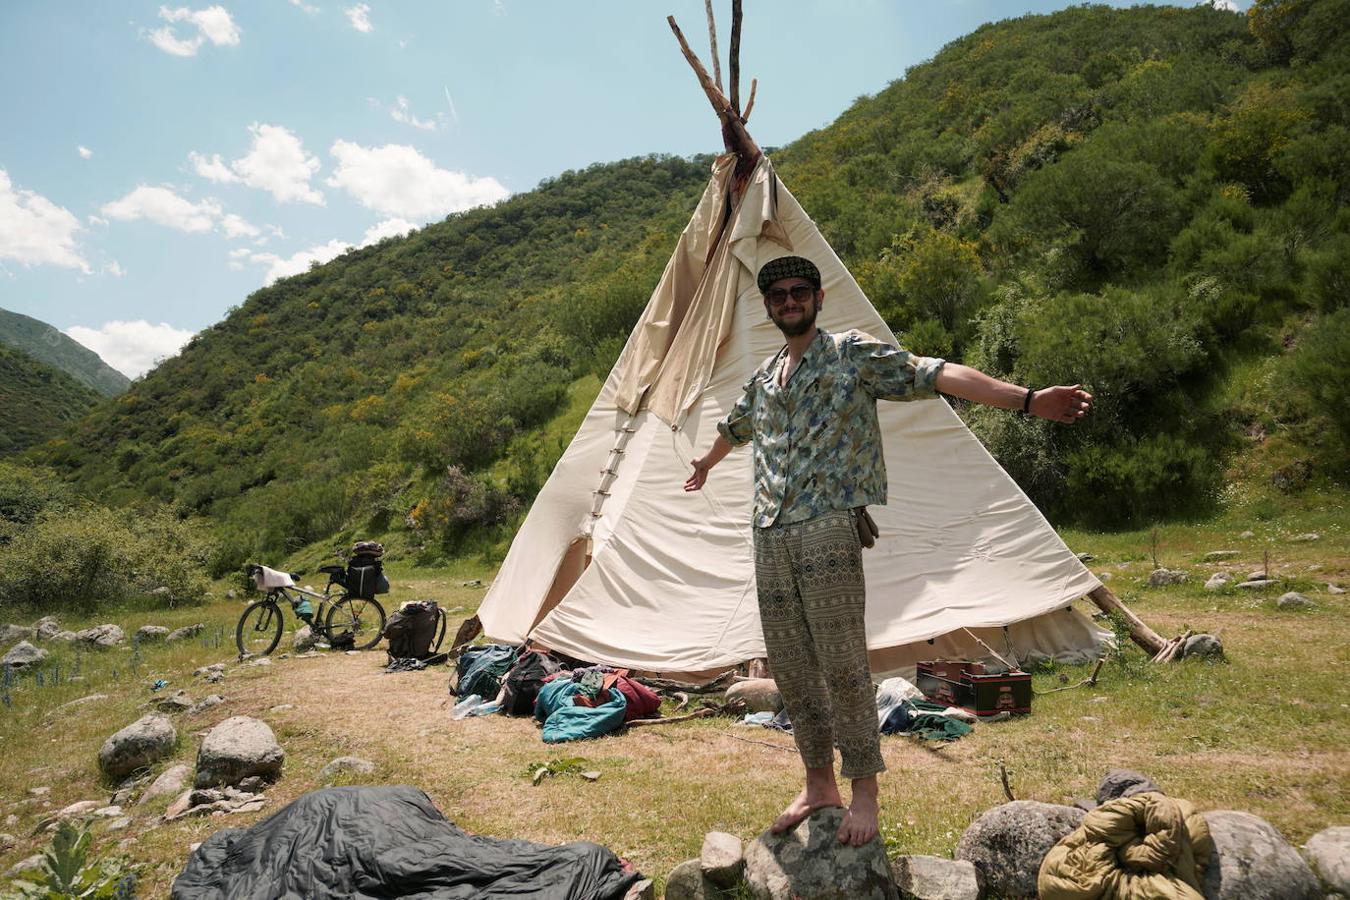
(807,802)
(860,822)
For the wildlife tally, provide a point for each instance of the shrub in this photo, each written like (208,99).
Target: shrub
(25,492)
(81,558)
(1315,377)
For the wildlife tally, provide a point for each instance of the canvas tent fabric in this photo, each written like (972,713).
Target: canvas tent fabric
(363,843)
(616,563)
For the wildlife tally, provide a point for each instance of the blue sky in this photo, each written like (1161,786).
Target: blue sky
(160,162)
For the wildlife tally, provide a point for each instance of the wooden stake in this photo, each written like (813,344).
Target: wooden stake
(734,62)
(1140,633)
(712,40)
(1003,776)
(700,714)
(1008,665)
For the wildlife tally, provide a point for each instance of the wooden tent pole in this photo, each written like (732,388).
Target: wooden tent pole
(736,138)
(734,58)
(750,104)
(712,41)
(1140,633)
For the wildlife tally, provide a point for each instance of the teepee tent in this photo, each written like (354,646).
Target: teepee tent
(615,563)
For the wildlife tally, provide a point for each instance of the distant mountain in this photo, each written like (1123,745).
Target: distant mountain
(37,401)
(47,344)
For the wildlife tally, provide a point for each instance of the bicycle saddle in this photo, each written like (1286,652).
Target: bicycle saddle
(332,570)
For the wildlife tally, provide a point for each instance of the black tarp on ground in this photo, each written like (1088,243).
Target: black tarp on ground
(362,843)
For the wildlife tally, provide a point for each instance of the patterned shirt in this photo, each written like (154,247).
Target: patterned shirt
(817,441)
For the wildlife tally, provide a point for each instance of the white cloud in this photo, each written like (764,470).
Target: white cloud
(132,348)
(301,4)
(85,152)
(454,114)
(114,268)
(35,231)
(396,180)
(235,226)
(163,207)
(498,8)
(401,113)
(1225,5)
(213,24)
(388,228)
(276,162)
(359,16)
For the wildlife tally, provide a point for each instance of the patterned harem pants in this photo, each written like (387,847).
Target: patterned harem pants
(811,601)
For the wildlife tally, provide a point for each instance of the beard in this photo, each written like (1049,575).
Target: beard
(800,326)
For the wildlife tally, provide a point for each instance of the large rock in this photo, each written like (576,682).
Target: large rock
(149,634)
(1254,862)
(11,633)
(1124,783)
(1218,581)
(142,743)
(1329,853)
(1294,600)
(235,749)
(933,878)
(687,882)
(722,858)
(758,695)
(182,634)
(177,702)
(23,655)
(101,636)
(1164,577)
(46,628)
(1008,842)
(809,863)
(1203,645)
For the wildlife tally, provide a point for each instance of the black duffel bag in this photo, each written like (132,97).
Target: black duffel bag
(523,682)
(411,630)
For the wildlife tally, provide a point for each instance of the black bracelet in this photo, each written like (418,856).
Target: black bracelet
(1026,402)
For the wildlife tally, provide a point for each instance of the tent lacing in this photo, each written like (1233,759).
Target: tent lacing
(607,476)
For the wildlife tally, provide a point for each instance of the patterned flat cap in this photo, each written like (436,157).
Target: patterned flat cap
(788,267)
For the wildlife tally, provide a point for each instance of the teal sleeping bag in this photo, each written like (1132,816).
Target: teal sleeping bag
(563,721)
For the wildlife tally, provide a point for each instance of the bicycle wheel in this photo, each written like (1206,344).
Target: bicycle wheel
(259,629)
(362,619)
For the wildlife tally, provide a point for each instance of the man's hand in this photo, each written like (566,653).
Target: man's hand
(696,480)
(1061,404)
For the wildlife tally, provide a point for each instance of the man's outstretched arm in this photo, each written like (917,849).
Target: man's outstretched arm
(720,448)
(1062,403)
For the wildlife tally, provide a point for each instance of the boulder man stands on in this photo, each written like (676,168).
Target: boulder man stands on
(811,412)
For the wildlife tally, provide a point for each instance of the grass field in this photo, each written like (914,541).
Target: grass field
(1265,731)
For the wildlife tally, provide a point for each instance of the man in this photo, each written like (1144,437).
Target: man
(810,411)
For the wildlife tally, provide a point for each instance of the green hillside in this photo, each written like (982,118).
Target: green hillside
(37,400)
(1151,201)
(48,345)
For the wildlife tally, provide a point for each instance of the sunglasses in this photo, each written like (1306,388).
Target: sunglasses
(799,292)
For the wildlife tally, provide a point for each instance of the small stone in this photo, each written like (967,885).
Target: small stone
(46,628)
(1294,600)
(171,781)
(178,701)
(756,694)
(1124,783)
(304,640)
(23,655)
(722,858)
(207,670)
(149,634)
(1165,577)
(231,594)
(215,678)
(27,864)
(40,791)
(10,633)
(182,634)
(179,807)
(1328,852)
(1216,555)
(1247,535)
(686,882)
(107,812)
(642,890)
(1218,581)
(119,823)
(1202,645)
(66,637)
(253,784)
(281,707)
(78,809)
(101,636)
(206,703)
(7,842)
(1086,557)
(933,878)
(1305,538)
(259,661)
(1250,585)
(1334,589)
(346,764)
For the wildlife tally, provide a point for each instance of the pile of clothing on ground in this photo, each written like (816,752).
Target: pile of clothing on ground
(570,703)
(901,709)
(355,842)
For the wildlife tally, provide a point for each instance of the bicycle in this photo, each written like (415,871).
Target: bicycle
(341,619)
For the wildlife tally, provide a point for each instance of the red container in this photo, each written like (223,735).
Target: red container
(986,695)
